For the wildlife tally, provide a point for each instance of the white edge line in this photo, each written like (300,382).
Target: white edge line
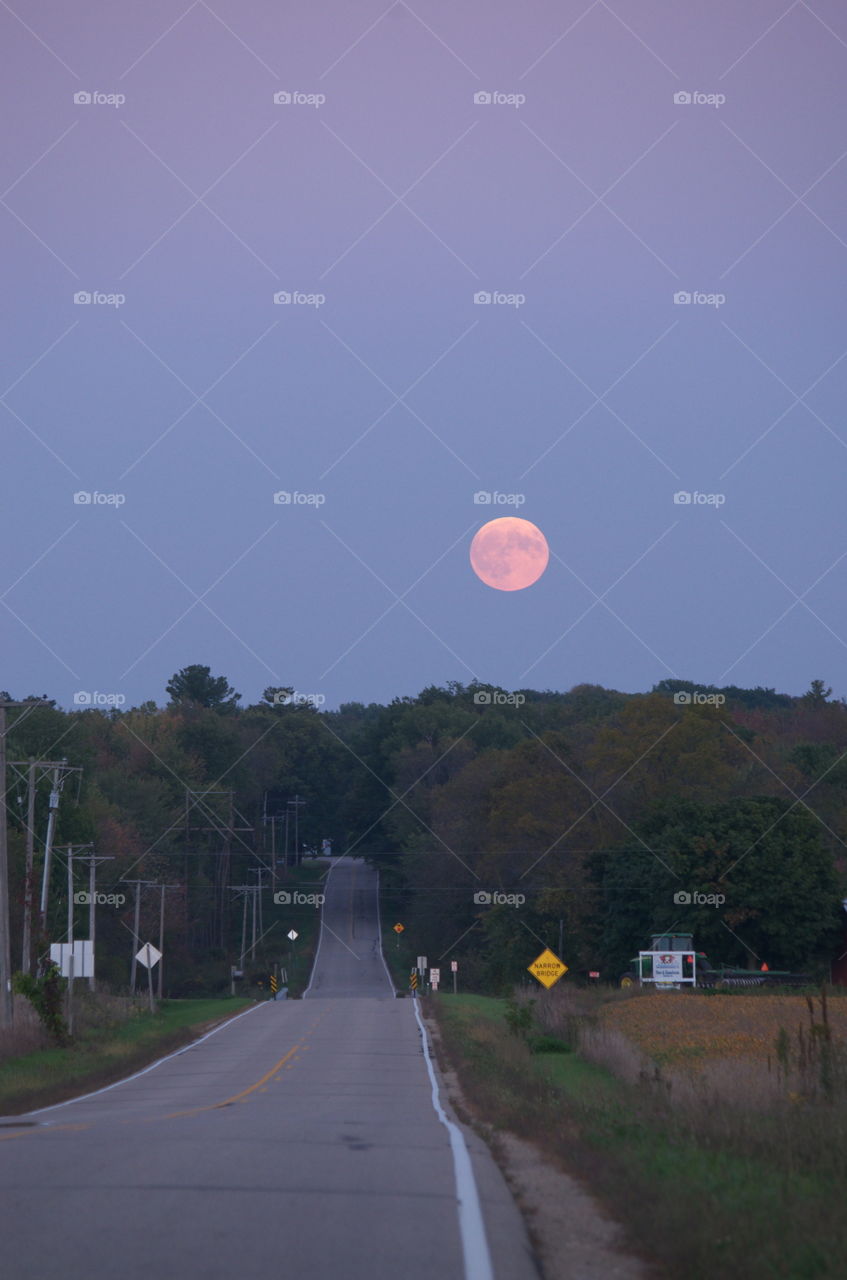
(107,1088)
(392,984)
(320,935)
(477,1258)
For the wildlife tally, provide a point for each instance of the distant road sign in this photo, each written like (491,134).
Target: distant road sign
(293,934)
(148,955)
(413,980)
(398,928)
(454,965)
(435,975)
(421,964)
(83,956)
(274,985)
(594,973)
(547,968)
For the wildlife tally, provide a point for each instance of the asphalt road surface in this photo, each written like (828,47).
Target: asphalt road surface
(305,1138)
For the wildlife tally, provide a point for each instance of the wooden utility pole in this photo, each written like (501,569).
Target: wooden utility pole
(136,941)
(6,1004)
(162,888)
(5,948)
(26,943)
(92,859)
(71,938)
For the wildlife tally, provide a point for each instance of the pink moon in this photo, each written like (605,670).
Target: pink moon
(509,554)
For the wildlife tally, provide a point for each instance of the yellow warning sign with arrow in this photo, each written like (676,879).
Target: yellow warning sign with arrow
(547,968)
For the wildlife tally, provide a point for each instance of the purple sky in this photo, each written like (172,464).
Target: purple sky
(397,199)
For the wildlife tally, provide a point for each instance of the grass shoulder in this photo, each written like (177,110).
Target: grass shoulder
(695,1196)
(104,1054)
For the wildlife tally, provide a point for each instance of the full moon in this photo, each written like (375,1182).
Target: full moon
(509,554)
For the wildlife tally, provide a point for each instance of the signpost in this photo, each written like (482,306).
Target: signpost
(413,982)
(454,965)
(274,986)
(398,929)
(149,956)
(434,978)
(547,968)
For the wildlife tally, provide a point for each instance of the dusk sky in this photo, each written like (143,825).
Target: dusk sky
(620,155)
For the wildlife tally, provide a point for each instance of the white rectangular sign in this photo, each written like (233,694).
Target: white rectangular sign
(435,975)
(83,955)
(667,967)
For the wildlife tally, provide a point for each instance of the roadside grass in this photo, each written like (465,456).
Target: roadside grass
(105,1053)
(703,1188)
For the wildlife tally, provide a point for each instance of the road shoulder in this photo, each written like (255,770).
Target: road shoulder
(568,1234)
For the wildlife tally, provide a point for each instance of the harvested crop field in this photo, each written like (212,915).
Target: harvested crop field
(676,1028)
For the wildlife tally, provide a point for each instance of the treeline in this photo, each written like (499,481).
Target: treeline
(501,821)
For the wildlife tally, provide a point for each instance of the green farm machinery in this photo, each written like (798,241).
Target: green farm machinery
(671,963)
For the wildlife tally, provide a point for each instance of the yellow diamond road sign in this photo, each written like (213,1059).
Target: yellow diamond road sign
(547,968)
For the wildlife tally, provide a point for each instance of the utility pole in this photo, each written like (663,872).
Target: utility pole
(71,938)
(26,945)
(162,888)
(136,939)
(296,805)
(32,772)
(6,1003)
(48,848)
(5,947)
(59,771)
(245,890)
(257,905)
(92,859)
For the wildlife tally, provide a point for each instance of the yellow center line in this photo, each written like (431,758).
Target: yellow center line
(285,1060)
(237,1097)
(47,1128)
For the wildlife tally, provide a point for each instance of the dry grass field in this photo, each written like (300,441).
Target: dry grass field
(684,1028)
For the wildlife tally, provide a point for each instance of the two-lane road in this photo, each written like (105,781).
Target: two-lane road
(302,1139)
